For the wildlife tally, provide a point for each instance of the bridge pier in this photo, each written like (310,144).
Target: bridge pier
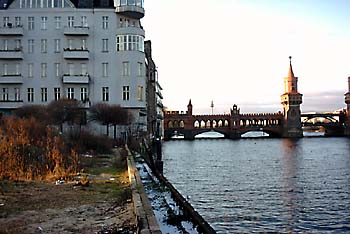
(188,135)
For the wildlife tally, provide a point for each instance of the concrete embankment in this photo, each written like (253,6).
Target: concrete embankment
(146,220)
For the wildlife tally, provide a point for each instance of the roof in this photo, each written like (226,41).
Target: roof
(4,4)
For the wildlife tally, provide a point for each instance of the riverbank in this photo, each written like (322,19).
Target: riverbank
(100,201)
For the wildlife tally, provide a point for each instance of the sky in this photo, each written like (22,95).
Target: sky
(237,52)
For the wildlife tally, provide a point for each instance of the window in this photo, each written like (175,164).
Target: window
(57,93)
(44,70)
(130,42)
(84,21)
(71,68)
(17,94)
(70,21)
(30,94)
(57,69)
(57,45)
(84,69)
(18,21)
(126,69)
(83,94)
(140,69)
(31,46)
(44,94)
(5,44)
(30,23)
(58,22)
(5,94)
(105,94)
(5,69)
(126,93)
(43,45)
(104,69)
(30,70)
(44,23)
(84,44)
(70,93)
(6,20)
(104,45)
(105,22)
(140,93)
(70,43)
(18,69)
(18,43)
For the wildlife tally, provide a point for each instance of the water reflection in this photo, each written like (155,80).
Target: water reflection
(291,189)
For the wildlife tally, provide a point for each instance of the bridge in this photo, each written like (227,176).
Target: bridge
(287,123)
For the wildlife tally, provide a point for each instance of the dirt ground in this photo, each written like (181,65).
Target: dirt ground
(98,202)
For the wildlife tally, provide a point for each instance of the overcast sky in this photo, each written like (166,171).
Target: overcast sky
(236,52)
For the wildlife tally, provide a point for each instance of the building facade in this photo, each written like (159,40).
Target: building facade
(347,101)
(154,96)
(88,50)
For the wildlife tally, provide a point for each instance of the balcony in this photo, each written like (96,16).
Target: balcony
(76,79)
(76,31)
(76,54)
(11,79)
(11,54)
(130,8)
(10,30)
(10,104)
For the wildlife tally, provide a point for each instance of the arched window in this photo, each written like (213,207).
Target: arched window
(182,124)
(196,124)
(170,124)
(208,124)
(202,124)
(214,124)
(176,124)
(226,123)
(220,123)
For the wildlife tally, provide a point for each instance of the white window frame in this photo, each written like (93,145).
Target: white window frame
(31,24)
(43,70)
(105,94)
(126,68)
(57,93)
(43,22)
(70,93)
(104,22)
(30,94)
(43,45)
(104,69)
(30,70)
(126,93)
(58,22)
(57,45)
(84,94)
(43,94)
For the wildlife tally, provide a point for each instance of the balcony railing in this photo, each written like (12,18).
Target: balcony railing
(10,30)
(11,79)
(11,104)
(76,79)
(76,53)
(11,53)
(76,30)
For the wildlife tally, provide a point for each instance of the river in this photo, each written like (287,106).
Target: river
(263,185)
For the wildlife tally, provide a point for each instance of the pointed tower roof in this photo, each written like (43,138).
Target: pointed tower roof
(290,72)
(190,103)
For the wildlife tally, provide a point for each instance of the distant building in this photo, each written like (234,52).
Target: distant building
(154,96)
(89,50)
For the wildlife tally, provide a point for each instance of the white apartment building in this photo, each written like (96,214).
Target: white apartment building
(89,50)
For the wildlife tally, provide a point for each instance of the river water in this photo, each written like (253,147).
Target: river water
(264,185)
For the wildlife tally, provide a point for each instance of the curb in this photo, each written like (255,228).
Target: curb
(146,220)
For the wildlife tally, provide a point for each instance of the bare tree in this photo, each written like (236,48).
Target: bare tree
(66,110)
(110,115)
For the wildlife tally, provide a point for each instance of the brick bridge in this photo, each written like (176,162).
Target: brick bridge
(235,124)
(288,123)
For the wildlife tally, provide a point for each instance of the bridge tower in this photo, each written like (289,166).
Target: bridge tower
(189,108)
(347,101)
(291,100)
